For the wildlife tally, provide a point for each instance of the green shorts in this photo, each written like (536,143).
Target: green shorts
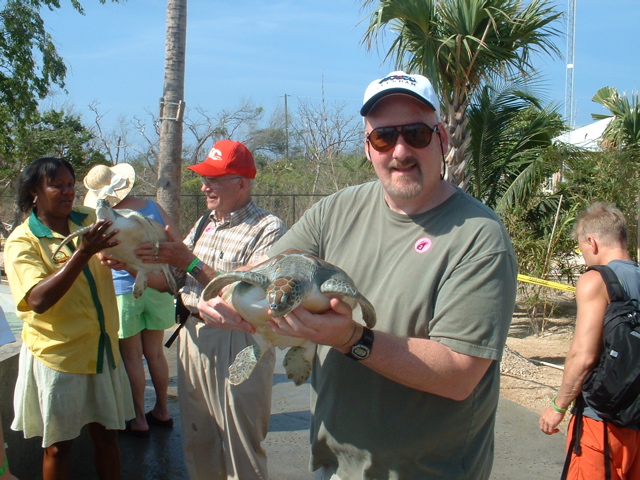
(154,310)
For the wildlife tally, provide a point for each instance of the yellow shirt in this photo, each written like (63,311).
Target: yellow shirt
(73,335)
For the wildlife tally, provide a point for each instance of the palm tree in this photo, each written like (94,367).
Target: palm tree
(459,44)
(171,113)
(510,154)
(624,128)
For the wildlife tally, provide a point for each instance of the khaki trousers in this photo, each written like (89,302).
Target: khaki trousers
(223,425)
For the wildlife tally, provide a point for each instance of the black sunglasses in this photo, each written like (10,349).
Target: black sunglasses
(417,135)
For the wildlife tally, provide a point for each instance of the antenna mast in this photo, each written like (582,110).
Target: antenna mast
(571,51)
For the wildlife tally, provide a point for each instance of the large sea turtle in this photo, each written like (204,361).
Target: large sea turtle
(133,228)
(281,284)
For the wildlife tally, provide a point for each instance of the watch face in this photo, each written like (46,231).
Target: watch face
(360,351)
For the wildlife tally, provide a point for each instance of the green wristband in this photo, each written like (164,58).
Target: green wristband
(555,407)
(4,466)
(192,264)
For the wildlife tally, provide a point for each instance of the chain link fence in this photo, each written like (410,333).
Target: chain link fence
(289,207)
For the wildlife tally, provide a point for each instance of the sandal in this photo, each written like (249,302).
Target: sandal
(152,420)
(134,433)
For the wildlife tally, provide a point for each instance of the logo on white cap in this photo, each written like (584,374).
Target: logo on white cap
(215,154)
(399,79)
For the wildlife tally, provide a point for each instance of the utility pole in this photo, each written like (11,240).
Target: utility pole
(286,126)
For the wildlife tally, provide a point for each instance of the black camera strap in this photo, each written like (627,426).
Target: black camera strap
(182,312)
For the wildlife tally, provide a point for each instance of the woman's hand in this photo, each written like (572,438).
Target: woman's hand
(111,262)
(97,238)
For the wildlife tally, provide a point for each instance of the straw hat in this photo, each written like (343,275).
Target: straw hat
(113,183)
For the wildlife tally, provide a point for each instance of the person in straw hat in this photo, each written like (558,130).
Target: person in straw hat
(142,321)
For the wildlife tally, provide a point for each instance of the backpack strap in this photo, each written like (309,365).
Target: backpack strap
(607,451)
(574,445)
(615,290)
(181,310)
(204,221)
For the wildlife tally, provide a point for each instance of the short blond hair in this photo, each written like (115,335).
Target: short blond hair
(604,221)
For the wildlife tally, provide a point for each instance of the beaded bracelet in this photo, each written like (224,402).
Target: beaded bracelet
(555,407)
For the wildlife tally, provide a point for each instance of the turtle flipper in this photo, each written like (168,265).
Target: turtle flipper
(173,288)
(298,362)
(140,284)
(245,361)
(343,289)
(214,286)
(68,238)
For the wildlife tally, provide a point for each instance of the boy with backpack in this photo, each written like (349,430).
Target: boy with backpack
(604,435)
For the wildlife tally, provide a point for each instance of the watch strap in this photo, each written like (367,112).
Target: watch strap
(193,263)
(196,269)
(362,348)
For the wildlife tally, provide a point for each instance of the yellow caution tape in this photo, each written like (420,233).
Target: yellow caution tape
(546,283)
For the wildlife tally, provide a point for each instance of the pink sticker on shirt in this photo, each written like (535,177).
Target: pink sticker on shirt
(422,245)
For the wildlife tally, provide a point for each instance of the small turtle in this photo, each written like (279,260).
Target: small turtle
(281,284)
(134,228)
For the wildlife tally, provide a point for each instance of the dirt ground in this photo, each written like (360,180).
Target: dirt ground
(524,380)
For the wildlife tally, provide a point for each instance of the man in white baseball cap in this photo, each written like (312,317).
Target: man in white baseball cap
(416,86)
(416,396)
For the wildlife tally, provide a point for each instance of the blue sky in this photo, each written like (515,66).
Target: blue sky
(264,49)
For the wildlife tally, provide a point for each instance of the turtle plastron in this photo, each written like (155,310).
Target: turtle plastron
(281,284)
(133,228)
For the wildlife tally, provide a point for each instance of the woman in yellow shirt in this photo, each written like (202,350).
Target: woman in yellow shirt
(70,370)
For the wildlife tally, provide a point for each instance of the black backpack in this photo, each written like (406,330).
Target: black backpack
(612,388)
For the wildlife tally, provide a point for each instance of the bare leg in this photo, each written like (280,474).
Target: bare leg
(3,455)
(56,462)
(106,451)
(152,345)
(131,351)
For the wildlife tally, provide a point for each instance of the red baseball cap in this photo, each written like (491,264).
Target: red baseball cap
(227,157)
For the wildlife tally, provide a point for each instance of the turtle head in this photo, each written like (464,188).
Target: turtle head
(283,295)
(104,209)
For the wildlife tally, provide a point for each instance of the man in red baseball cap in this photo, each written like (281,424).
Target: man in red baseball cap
(227,158)
(222,425)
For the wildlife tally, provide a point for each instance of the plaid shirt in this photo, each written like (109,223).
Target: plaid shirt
(245,236)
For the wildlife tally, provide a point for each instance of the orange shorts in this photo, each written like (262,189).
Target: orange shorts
(624,447)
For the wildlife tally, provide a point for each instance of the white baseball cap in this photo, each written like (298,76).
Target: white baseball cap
(400,82)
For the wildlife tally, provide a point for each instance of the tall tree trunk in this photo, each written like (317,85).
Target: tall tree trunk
(456,120)
(172,110)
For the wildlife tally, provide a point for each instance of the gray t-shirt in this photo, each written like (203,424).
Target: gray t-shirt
(448,274)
